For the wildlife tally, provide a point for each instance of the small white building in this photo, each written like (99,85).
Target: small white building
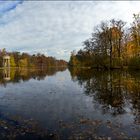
(6,61)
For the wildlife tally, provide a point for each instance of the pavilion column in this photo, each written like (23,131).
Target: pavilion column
(6,61)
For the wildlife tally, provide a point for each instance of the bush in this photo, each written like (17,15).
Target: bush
(134,63)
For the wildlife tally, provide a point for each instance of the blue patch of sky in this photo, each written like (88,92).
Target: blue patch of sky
(6,6)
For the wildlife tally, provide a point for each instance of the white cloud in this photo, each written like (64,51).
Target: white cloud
(57,28)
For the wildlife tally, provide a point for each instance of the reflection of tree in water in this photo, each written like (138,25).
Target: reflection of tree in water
(18,75)
(134,90)
(113,90)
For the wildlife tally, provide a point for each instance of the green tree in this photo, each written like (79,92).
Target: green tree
(12,61)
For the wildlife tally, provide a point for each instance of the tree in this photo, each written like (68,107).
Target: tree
(12,61)
(135,32)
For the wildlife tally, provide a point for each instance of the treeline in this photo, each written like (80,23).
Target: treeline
(111,45)
(18,59)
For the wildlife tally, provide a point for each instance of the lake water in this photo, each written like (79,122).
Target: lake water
(75,104)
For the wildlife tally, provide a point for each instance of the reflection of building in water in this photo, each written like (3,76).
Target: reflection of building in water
(6,61)
(6,74)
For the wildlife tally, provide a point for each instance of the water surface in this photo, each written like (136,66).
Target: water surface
(57,103)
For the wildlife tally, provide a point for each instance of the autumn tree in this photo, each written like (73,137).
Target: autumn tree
(135,33)
(104,48)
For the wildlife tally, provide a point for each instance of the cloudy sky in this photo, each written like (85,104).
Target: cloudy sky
(58,27)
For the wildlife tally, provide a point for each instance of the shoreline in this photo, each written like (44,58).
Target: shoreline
(105,68)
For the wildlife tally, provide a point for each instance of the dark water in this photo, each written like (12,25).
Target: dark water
(69,104)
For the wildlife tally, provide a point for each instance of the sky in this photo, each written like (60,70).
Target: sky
(55,28)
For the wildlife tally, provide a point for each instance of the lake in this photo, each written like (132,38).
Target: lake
(74,104)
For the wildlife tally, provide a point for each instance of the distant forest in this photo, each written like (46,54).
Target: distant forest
(18,59)
(111,45)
